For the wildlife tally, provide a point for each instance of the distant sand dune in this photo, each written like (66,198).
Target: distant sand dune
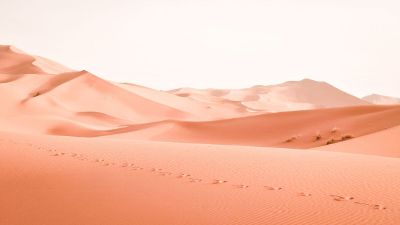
(288,96)
(289,129)
(382,100)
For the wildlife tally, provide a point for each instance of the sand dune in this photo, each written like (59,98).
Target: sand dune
(288,96)
(33,86)
(15,61)
(381,100)
(56,96)
(300,129)
(211,110)
(383,143)
(64,180)
(77,149)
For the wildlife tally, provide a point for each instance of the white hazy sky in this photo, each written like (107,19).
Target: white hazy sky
(164,44)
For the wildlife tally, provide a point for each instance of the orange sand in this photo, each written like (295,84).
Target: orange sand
(76,149)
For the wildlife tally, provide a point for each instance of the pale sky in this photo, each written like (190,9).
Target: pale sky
(164,44)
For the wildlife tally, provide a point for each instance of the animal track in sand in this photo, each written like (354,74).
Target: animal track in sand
(341,198)
(194,180)
(349,198)
(219,181)
(303,194)
(361,203)
(373,206)
(183,175)
(241,186)
(155,170)
(273,188)
(136,168)
(379,207)
(164,173)
(160,171)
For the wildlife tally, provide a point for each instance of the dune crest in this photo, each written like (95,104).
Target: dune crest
(15,61)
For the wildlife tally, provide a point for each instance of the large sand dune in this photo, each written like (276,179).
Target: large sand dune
(202,110)
(77,149)
(288,96)
(65,180)
(382,99)
(300,129)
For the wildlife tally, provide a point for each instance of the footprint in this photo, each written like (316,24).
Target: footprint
(379,207)
(341,198)
(375,206)
(193,180)
(164,173)
(183,175)
(219,181)
(361,203)
(55,154)
(303,194)
(273,188)
(241,186)
(136,168)
(80,156)
(124,164)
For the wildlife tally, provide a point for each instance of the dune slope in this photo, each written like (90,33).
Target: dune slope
(383,143)
(288,96)
(15,61)
(300,129)
(203,110)
(66,180)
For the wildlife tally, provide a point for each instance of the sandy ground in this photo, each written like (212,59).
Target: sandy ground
(69,180)
(76,149)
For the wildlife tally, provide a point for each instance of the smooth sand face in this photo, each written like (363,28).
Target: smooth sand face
(76,149)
